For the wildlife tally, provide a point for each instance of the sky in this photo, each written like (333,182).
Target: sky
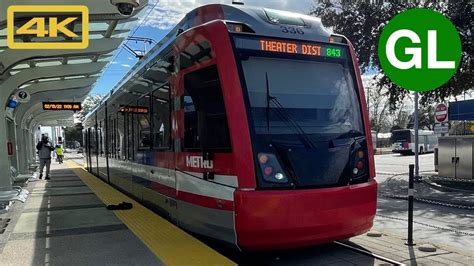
(163,16)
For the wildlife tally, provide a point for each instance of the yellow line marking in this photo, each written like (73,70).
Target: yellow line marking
(170,244)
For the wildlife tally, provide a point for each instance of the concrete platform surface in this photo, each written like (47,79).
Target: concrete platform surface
(64,223)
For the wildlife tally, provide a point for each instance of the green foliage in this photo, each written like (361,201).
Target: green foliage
(74,133)
(362,23)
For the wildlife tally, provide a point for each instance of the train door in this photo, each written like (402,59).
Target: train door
(94,147)
(102,142)
(87,147)
(204,164)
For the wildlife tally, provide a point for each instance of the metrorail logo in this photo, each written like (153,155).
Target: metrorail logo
(48,27)
(419,49)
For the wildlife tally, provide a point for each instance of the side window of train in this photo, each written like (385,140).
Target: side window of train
(130,136)
(205,119)
(120,145)
(195,53)
(161,118)
(110,137)
(144,125)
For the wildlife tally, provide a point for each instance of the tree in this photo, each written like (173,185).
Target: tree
(377,105)
(426,118)
(362,22)
(401,116)
(73,134)
(89,103)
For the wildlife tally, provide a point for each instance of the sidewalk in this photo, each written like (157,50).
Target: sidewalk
(435,220)
(397,185)
(393,247)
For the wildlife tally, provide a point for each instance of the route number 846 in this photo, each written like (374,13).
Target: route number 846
(292,30)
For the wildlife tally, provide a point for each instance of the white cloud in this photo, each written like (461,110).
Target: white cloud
(114,62)
(168,13)
(125,65)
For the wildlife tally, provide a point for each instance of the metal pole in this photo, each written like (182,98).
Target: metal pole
(417,167)
(411,192)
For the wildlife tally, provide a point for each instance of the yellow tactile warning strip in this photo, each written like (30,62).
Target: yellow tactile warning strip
(172,245)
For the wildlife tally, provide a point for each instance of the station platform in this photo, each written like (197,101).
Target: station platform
(65,221)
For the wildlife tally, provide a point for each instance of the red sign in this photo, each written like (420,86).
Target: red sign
(441,113)
(10,148)
(134,109)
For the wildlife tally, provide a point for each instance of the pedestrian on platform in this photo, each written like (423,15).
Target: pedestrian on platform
(44,148)
(59,153)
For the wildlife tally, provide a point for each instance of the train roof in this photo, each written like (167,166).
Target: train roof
(263,21)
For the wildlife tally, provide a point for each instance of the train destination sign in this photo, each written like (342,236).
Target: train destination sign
(62,106)
(291,47)
(134,109)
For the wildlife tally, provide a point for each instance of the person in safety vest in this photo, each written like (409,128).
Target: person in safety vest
(59,153)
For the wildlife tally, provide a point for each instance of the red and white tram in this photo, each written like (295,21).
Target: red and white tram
(244,124)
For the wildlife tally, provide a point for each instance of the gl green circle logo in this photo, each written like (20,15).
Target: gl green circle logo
(419,49)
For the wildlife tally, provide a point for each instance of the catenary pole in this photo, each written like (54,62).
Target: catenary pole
(417,167)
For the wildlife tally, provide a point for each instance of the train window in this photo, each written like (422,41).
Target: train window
(161,117)
(120,144)
(108,138)
(143,120)
(194,54)
(101,143)
(130,135)
(205,119)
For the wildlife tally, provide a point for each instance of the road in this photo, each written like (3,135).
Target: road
(389,164)
(433,223)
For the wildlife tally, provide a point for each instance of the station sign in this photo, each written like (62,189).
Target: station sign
(62,106)
(23,96)
(441,128)
(134,109)
(282,46)
(441,113)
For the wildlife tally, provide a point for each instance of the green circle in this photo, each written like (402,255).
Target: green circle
(448,48)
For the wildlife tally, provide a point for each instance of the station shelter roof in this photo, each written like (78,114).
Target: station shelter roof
(58,74)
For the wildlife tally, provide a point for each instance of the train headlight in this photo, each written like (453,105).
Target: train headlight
(355,171)
(271,169)
(279,176)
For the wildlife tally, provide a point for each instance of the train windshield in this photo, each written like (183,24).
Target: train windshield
(304,109)
(319,98)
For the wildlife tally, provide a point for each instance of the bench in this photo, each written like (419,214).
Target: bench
(14,193)
(19,179)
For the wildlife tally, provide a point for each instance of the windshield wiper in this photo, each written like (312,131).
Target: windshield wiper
(285,116)
(350,134)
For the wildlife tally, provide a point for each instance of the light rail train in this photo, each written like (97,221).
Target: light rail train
(244,124)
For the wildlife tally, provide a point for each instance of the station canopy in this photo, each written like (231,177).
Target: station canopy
(59,74)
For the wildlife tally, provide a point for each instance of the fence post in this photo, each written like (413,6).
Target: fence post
(411,193)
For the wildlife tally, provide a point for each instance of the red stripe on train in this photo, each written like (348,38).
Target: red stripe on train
(204,201)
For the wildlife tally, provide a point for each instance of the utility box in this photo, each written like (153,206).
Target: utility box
(455,157)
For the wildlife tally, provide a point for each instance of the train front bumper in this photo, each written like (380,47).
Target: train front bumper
(280,219)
